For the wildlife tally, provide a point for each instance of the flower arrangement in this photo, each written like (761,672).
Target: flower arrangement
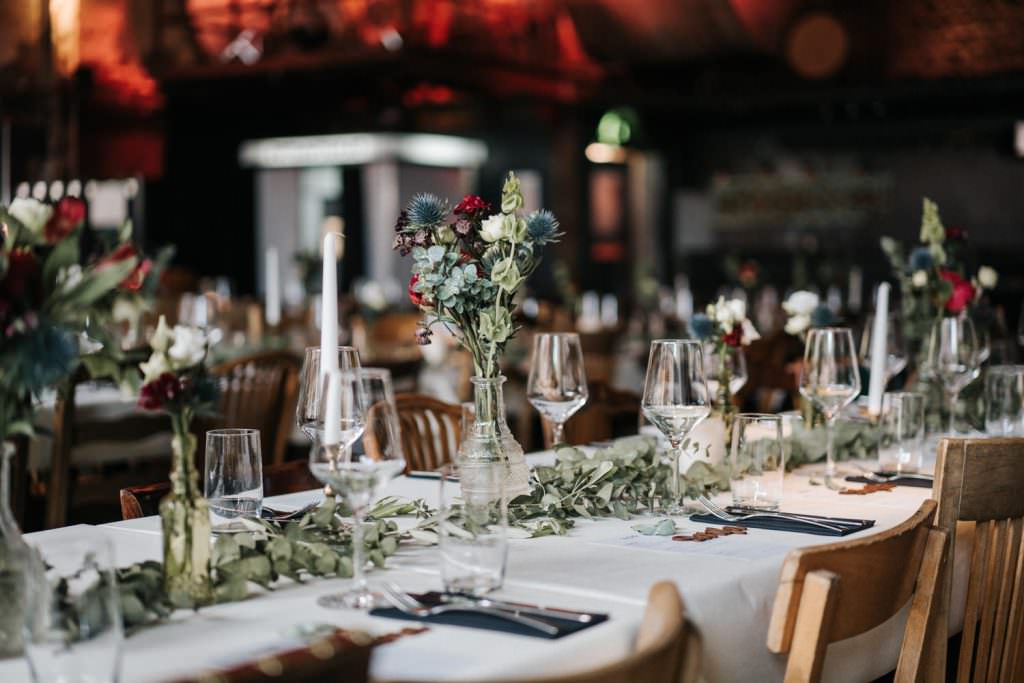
(468,264)
(175,381)
(724,328)
(932,276)
(805,310)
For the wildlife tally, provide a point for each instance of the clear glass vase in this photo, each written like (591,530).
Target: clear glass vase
(15,559)
(185,521)
(490,441)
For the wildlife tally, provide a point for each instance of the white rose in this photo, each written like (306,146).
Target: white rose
(738,308)
(154,367)
(188,349)
(31,213)
(750,333)
(802,303)
(721,313)
(919,279)
(988,277)
(492,228)
(798,324)
(162,336)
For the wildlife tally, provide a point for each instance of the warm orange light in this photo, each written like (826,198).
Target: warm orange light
(65,19)
(601,153)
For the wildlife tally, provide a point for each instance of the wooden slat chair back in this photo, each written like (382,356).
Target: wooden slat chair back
(981,481)
(342,657)
(259,392)
(431,431)
(828,593)
(289,477)
(667,648)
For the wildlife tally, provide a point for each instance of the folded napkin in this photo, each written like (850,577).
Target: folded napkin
(849,526)
(899,481)
(485,621)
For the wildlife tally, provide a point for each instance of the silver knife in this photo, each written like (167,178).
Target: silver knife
(515,608)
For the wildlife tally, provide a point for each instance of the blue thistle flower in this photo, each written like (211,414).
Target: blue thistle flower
(701,326)
(46,353)
(822,316)
(542,227)
(921,259)
(427,210)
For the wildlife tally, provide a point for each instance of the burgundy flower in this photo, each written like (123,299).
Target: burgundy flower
(470,205)
(403,221)
(133,281)
(423,336)
(963,291)
(415,297)
(166,388)
(955,233)
(22,280)
(463,227)
(734,338)
(67,216)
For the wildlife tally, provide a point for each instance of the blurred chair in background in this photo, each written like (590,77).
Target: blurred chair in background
(431,431)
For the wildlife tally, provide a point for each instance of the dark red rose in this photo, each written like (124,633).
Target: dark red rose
(133,281)
(471,204)
(747,274)
(164,389)
(22,280)
(67,216)
(415,297)
(734,338)
(956,233)
(963,291)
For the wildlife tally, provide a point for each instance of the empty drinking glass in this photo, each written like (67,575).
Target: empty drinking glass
(73,631)
(1004,400)
(951,354)
(557,386)
(902,424)
(233,482)
(757,461)
(472,527)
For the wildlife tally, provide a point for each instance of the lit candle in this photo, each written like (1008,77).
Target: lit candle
(329,301)
(332,410)
(273,287)
(879,350)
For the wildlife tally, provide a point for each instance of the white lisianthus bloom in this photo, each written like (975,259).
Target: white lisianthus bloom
(31,213)
(738,309)
(492,228)
(445,235)
(750,333)
(919,279)
(721,313)
(154,367)
(797,324)
(162,337)
(988,277)
(801,303)
(188,349)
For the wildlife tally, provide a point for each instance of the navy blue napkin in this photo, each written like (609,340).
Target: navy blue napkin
(850,526)
(899,481)
(485,621)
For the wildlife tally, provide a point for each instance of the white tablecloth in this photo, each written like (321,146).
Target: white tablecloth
(728,586)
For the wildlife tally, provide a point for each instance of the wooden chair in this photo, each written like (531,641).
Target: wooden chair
(667,648)
(608,413)
(289,477)
(259,391)
(980,482)
(828,593)
(342,656)
(431,431)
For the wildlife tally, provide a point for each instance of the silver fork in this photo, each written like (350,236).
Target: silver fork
(407,604)
(730,517)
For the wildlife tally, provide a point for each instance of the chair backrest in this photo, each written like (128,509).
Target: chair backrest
(259,391)
(835,591)
(341,656)
(667,648)
(431,431)
(981,481)
(289,477)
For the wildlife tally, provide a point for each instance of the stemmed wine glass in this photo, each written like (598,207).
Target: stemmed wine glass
(896,355)
(557,386)
(308,415)
(675,398)
(952,355)
(830,379)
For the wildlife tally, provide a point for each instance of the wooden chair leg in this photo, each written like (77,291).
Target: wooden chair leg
(813,623)
(57,490)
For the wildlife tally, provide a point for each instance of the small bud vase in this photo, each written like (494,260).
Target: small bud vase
(490,440)
(185,520)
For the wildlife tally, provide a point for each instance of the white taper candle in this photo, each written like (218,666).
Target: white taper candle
(329,302)
(879,350)
(332,409)
(273,287)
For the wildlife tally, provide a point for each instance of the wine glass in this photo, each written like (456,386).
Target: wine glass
(717,361)
(951,354)
(675,398)
(896,355)
(557,386)
(358,471)
(308,417)
(830,379)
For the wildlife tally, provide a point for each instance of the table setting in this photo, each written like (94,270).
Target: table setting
(532,563)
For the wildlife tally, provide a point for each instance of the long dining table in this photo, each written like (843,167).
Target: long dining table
(601,565)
